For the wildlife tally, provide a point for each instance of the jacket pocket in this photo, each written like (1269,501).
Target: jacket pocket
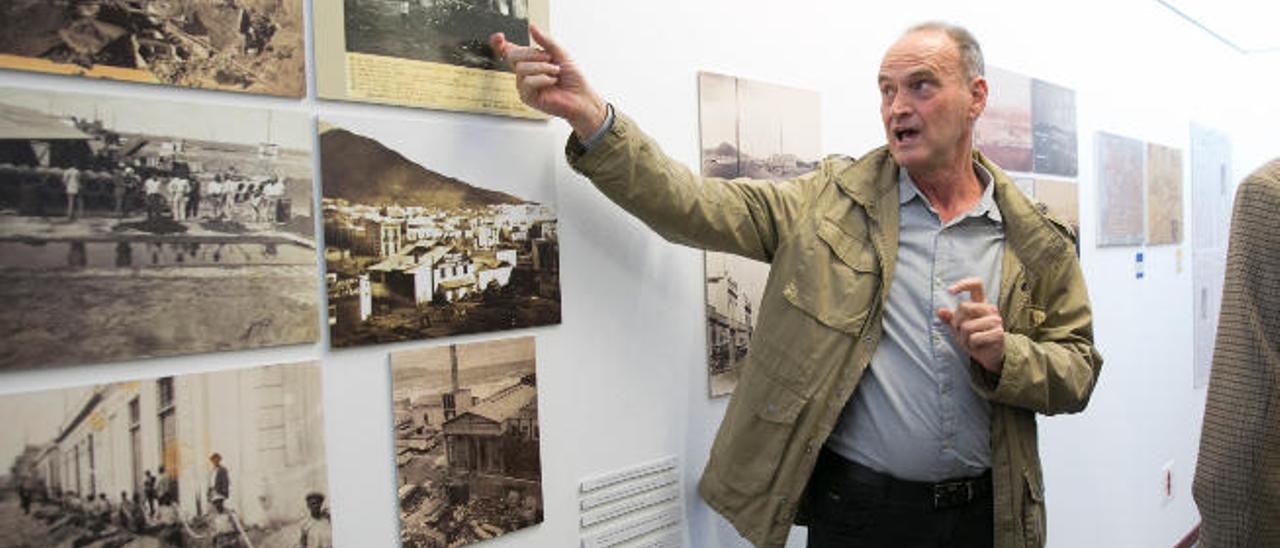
(836,280)
(755,432)
(1033,518)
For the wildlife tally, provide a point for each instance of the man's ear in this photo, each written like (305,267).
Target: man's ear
(978,90)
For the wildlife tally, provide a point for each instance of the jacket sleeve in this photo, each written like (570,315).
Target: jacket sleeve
(741,216)
(1051,366)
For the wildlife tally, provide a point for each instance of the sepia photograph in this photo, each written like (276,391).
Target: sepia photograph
(233,459)
(1061,200)
(1003,133)
(760,131)
(1053,127)
(1121,202)
(1164,195)
(426,236)
(423,53)
(453,32)
(467,442)
(252,46)
(133,229)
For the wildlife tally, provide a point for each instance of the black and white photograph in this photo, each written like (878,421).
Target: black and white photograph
(1053,128)
(426,236)
(252,46)
(467,441)
(233,459)
(452,32)
(133,229)
(760,131)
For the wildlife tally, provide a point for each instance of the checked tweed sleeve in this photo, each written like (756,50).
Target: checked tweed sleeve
(1237,483)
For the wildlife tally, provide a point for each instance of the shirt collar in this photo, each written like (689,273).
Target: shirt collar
(986,205)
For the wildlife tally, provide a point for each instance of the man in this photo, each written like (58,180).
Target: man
(214,193)
(193,198)
(71,186)
(122,184)
(168,525)
(1237,483)
(908,412)
(221,485)
(222,524)
(149,489)
(178,197)
(317,530)
(154,199)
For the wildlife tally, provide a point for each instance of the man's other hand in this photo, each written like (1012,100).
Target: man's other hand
(976,325)
(549,81)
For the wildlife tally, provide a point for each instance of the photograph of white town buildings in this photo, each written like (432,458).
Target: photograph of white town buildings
(413,253)
(467,441)
(227,459)
(134,228)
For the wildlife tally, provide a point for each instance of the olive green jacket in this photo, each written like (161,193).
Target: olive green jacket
(832,239)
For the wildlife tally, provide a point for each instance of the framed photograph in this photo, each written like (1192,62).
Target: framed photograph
(760,131)
(133,229)
(468,451)
(1121,201)
(250,46)
(234,458)
(1003,132)
(423,53)
(1164,195)
(1053,127)
(427,236)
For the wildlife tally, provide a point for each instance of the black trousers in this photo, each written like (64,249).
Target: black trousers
(851,506)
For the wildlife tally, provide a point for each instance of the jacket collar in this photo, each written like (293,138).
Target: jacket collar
(1032,244)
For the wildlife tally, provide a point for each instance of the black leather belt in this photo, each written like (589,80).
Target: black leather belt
(941,495)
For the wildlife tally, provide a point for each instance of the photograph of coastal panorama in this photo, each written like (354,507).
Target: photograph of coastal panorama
(427,236)
(133,229)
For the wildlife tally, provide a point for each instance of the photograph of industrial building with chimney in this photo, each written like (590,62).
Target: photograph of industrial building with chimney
(760,131)
(467,449)
(227,459)
(133,229)
(252,46)
(426,236)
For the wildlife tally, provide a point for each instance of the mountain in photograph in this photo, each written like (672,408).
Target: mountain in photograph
(362,170)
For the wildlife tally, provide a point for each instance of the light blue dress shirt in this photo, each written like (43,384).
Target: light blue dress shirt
(914,415)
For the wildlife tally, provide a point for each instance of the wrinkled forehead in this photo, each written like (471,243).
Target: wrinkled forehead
(920,51)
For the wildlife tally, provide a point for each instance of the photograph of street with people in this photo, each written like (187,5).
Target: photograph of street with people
(233,459)
(467,442)
(133,228)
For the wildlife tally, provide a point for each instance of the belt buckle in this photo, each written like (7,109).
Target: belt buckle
(952,493)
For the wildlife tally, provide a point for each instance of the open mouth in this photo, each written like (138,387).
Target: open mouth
(906,135)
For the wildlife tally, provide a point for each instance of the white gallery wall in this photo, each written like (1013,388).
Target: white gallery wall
(622,381)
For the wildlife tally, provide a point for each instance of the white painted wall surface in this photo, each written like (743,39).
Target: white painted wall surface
(622,380)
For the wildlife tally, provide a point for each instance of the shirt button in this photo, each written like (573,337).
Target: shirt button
(808,447)
(866,339)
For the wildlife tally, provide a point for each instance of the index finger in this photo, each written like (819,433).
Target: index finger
(973,286)
(546,42)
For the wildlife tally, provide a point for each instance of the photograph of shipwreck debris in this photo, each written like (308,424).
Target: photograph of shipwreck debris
(252,46)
